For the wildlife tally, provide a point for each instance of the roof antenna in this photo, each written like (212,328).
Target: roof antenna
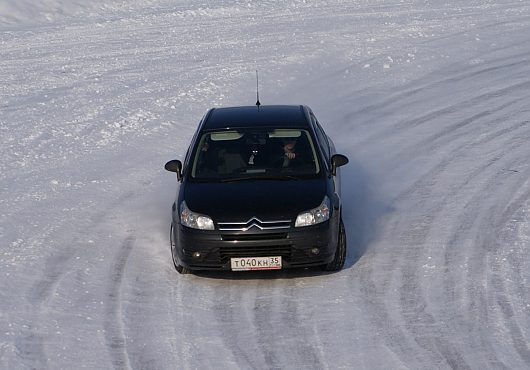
(257,90)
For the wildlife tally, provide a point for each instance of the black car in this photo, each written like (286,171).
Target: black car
(260,190)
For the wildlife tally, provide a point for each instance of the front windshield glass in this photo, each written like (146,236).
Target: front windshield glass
(251,154)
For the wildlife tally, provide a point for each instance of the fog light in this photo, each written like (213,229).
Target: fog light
(196,254)
(315,251)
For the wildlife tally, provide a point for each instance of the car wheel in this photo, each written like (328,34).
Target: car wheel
(181,269)
(340,254)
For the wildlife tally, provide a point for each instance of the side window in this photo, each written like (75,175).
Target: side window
(322,138)
(187,157)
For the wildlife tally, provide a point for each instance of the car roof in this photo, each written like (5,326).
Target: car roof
(279,116)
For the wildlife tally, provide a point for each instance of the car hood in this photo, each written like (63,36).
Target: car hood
(265,200)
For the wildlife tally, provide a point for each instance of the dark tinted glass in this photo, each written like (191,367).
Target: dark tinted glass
(322,138)
(252,154)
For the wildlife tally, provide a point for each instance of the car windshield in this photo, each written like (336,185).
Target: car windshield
(248,154)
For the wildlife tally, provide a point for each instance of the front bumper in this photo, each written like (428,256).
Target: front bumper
(295,246)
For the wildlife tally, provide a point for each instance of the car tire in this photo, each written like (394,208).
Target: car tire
(340,253)
(180,269)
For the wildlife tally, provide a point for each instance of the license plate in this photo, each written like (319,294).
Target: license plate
(256,263)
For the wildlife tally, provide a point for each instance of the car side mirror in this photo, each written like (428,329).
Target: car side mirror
(175,166)
(337,161)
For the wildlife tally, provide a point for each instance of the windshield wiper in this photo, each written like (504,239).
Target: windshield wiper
(251,178)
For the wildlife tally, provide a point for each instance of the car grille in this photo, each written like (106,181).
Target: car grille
(256,223)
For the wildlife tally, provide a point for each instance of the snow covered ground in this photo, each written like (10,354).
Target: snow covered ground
(429,99)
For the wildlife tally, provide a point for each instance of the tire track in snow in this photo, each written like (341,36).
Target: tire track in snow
(201,338)
(479,224)
(476,230)
(54,270)
(414,93)
(417,87)
(428,330)
(375,289)
(503,274)
(114,329)
(30,343)
(234,310)
(488,26)
(181,324)
(460,130)
(489,298)
(424,224)
(55,266)
(430,222)
(249,325)
(519,341)
(148,305)
(294,344)
(260,329)
(29,347)
(434,115)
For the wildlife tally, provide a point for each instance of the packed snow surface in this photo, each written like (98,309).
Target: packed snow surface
(430,101)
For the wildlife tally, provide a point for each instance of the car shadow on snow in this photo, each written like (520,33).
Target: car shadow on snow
(362,209)
(262,275)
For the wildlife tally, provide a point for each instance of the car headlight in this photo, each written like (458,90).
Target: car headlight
(194,220)
(315,215)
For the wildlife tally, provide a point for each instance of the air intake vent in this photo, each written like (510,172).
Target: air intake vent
(250,237)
